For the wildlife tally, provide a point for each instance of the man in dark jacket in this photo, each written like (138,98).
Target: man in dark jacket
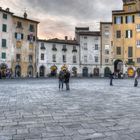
(111,78)
(67,77)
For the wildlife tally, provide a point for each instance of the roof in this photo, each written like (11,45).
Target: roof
(25,19)
(6,11)
(105,22)
(122,12)
(90,33)
(60,41)
(81,28)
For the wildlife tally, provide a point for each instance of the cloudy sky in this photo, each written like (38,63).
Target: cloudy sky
(58,18)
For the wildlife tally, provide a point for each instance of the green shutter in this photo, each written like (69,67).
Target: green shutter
(3,55)
(4,16)
(3,42)
(4,28)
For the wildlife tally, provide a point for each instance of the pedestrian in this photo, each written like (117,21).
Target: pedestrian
(67,78)
(136,79)
(111,78)
(61,79)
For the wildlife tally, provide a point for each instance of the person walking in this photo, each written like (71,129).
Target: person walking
(136,79)
(61,79)
(111,78)
(67,77)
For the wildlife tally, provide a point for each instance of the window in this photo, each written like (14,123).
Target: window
(74,59)
(64,48)
(64,58)
(106,51)
(31,28)
(42,56)
(85,37)
(106,60)
(4,28)
(118,34)
(19,36)
(42,46)
(128,34)
(118,20)
(130,19)
(85,46)
(3,42)
(18,57)
(138,60)
(19,24)
(4,16)
(106,33)
(54,58)
(3,55)
(138,42)
(138,27)
(96,59)
(31,38)
(85,59)
(130,52)
(30,58)
(54,47)
(96,47)
(118,50)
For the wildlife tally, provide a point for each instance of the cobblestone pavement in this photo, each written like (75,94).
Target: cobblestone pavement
(35,109)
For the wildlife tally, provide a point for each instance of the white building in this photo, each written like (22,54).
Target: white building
(89,51)
(6,41)
(54,54)
(107,55)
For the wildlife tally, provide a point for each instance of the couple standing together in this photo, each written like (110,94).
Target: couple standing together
(64,76)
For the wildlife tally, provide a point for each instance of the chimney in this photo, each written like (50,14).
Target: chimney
(7,9)
(66,37)
(25,15)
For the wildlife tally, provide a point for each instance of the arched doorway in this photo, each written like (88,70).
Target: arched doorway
(118,66)
(18,71)
(42,71)
(107,72)
(74,71)
(53,70)
(30,71)
(96,71)
(3,69)
(85,72)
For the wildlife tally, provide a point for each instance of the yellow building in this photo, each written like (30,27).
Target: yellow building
(126,37)
(24,35)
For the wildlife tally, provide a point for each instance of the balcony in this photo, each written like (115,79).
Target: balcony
(64,49)
(74,50)
(54,48)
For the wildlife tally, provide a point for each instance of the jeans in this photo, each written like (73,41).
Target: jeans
(61,82)
(67,86)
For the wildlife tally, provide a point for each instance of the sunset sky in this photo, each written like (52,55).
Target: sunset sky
(58,18)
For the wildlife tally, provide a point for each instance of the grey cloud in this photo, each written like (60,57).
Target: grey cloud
(59,17)
(78,9)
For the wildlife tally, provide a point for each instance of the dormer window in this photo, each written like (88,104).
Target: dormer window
(74,49)
(64,48)
(54,47)
(42,46)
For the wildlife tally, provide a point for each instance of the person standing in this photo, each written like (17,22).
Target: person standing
(67,77)
(111,78)
(61,79)
(136,79)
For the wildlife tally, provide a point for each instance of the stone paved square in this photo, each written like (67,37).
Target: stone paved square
(35,109)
